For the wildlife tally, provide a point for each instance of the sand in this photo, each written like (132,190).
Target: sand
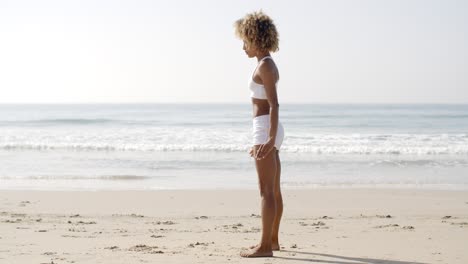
(393,226)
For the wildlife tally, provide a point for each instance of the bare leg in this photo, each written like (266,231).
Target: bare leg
(279,206)
(266,170)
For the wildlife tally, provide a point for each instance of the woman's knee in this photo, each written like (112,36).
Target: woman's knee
(268,194)
(267,189)
(277,192)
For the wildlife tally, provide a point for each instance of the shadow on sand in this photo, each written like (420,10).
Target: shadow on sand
(341,259)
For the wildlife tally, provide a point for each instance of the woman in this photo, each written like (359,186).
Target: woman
(260,37)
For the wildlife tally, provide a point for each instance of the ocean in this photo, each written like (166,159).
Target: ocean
(205,146)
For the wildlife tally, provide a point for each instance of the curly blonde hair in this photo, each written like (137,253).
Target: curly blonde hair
(258,29)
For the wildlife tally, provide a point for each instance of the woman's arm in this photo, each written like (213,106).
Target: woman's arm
(269,76)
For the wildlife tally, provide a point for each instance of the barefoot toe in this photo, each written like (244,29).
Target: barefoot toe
(256,252)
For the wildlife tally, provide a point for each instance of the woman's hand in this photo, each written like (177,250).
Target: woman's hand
(251,151)
(265,149)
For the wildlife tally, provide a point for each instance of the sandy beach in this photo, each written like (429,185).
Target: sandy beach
(319,226)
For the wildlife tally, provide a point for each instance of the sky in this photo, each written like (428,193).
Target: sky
(186,51)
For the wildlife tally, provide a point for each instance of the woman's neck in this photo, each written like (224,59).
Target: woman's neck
(263,55)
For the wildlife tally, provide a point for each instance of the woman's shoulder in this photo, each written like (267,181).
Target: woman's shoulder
(268,65)
(268,68)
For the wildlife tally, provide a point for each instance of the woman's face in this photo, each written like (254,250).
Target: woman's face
(249,50)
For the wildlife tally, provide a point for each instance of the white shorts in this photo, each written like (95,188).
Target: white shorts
(261,131)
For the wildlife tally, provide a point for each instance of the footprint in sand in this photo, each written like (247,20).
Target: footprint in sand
(384,216)
(199,244)
(86,223)
(146,249)
(462,224)
(130,215)
(113,248)
(234,226)
(70,236)
(82,222)
(18,215)
(24,203)
(77,230)
(378,216)
(12,221)
(163,223)
(395,225)
(317,224)
(383,226)
(137,215)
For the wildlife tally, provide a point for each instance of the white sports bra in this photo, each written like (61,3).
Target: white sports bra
(258,90)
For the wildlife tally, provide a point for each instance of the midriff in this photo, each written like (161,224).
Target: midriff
(260,107)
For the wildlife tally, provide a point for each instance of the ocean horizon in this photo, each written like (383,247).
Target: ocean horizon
(155,146)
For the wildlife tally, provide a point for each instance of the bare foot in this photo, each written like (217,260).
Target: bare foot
(274,247)
(256,252)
